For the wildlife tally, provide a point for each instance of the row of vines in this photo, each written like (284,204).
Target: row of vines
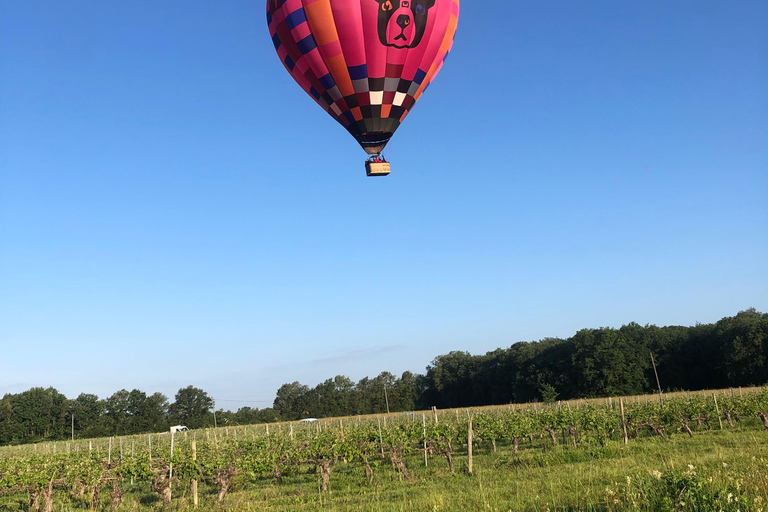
(85,472)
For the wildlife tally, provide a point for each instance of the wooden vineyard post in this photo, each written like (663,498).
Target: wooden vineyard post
(434,414)
(386,398)
(109,452)
(381,440)
(470,440)
(424,433)
(717,410)
(150,447)
(291,431)
(341,435)
(170,468)
(193,482)
(623,421)
(131,458)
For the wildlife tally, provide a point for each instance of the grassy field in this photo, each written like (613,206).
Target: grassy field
(715,470)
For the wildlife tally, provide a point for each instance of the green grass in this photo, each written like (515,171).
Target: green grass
(715,470)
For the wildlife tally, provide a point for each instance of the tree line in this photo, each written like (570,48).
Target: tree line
(40,414)
(592,363)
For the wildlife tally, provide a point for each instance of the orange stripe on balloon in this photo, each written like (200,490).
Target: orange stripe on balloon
(320,18)
(338,69)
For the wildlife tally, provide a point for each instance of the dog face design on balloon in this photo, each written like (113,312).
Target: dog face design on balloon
(402,22)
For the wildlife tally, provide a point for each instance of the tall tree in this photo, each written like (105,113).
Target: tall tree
(192,407)
(117,412)
(37,414)
(291,401)
(88,411)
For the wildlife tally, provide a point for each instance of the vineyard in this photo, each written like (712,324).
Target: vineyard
(208,466)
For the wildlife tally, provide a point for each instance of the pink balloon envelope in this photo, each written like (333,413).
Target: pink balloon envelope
(366,62)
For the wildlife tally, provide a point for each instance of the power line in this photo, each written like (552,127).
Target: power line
(246,401)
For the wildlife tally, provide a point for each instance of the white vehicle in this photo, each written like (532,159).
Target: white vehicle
(309,420)
(179,428)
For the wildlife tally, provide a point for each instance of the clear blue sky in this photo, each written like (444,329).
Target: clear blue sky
(174,210)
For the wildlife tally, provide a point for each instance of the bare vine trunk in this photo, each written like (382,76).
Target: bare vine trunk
(277,475)
(515,445)
(728,417)
(161,484)
(763,417)
(448,453)
(48,497)
(325,474)
(368,471)
(95,490)
(552,436)
(34,499)
(397,460)
(117,495)
(78,489)
(686,427)
(657,430)
(224,479)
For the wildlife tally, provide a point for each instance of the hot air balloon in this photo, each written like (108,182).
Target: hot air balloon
(366,62)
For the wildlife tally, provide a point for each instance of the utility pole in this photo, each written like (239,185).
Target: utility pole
(386,398)
(214,414)
(661,401)
(73,427)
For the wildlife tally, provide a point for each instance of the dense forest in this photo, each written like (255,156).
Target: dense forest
(591,363)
